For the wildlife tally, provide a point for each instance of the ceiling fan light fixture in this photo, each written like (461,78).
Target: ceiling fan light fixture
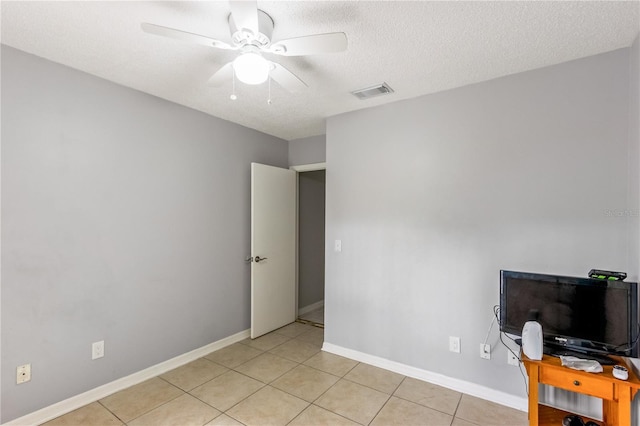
(251,68)
(251,34)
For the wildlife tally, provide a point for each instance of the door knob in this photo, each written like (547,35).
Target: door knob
(259,259)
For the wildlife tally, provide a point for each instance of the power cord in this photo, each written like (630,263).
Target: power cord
(496,313)
(629,346)
(493,319)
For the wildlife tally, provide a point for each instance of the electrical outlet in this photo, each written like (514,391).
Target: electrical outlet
(454,344)
(512,359)
(23,374)
(485,351)
(97,350)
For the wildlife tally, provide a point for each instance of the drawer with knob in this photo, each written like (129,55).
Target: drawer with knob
(585,384)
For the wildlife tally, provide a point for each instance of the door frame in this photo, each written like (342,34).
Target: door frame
(301,169)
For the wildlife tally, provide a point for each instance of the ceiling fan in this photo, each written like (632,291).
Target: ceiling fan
(251,30)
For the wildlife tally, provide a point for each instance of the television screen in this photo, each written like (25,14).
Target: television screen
(583,314)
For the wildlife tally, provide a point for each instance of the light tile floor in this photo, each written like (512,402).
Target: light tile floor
(284,378)
(317,315)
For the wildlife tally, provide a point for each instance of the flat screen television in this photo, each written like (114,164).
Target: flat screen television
(585,317)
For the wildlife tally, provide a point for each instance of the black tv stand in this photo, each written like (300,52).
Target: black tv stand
(558,352)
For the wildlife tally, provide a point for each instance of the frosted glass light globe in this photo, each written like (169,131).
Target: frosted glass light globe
(251,68)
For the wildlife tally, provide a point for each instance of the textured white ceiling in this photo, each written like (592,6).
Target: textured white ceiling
(417,47)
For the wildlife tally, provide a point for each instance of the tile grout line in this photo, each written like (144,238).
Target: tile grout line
(430,408)
(427,406)
(327,390)
(112,413)
(322,408)
(455,413)
(367,386)
(218,376)
(381,408)
(164,403)
(401,382)
(242,400)
(99,401)
(225,411)
(323,393)
(388,399)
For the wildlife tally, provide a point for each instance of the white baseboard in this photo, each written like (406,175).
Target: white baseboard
(75,402)
(458,385)
(311,307)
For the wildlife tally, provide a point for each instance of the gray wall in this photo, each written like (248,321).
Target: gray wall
(309,150)
(431,197)
(634,160)
(311,206)
(125,218)
(633,216)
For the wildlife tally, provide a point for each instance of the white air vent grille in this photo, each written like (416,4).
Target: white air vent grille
(373,91)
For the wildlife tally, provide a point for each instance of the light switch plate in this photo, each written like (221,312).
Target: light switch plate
(454,344)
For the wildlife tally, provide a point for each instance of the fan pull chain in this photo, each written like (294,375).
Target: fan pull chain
(233,96)
(269,100)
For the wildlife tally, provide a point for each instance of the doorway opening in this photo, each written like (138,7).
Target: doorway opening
(311,241)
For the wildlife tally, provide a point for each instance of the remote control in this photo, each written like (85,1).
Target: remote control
(620,372)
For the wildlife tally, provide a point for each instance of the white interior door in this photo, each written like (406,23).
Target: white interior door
(273,248)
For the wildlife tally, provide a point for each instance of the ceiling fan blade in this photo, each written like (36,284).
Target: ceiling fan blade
(184,36)
(245,14)
(311,45)
(285,78)
(221,76)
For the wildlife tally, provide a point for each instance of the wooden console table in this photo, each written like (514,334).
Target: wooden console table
(616,394)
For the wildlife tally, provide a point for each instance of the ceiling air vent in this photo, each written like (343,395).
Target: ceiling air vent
(370,92)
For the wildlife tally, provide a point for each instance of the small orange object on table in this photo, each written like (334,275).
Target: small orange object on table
(616,394)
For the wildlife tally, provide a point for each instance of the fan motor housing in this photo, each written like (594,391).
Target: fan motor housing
(243,36)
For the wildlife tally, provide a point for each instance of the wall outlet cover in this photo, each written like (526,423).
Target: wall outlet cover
(512,359)
(97,349)
(23,374)
(485,351)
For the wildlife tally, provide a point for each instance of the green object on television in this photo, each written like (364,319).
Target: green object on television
(599,274)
